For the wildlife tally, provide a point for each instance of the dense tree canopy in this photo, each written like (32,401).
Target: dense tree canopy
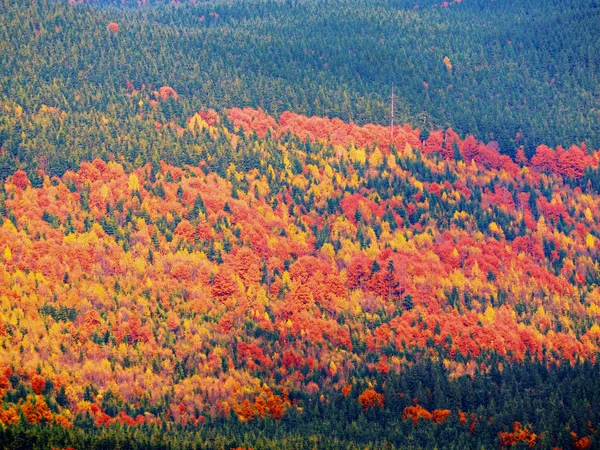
(210,236)
(521,73)
(297,262)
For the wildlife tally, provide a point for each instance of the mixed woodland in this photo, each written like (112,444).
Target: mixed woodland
(194,254)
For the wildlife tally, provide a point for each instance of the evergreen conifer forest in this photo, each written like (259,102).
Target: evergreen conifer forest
(213,237)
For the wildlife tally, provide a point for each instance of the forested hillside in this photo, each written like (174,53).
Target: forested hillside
(211,236)
(299,269)
(522,73)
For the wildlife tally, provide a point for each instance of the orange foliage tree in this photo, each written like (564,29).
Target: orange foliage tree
(519,434)
(370,399)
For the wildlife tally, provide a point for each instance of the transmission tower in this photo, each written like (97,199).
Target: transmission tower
(392,108)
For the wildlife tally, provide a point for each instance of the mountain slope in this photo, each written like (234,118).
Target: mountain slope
(281,271)
(520,73)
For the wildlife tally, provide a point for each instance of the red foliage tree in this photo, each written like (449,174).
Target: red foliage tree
(167,92)
(223,285)
(470,148)
(20,179)
(276,406)
(38,384)
(434,142)
(451,139)
(370,399)
(185,230)
(520,157)
(544,159)
(572,163)
(359,271)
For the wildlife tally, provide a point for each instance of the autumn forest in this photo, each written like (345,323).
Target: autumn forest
(203,248)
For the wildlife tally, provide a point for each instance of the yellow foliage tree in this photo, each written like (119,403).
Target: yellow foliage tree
(133,183)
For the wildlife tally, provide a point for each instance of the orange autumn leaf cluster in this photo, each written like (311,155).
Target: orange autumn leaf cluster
(370,399)
(519,434)
(34,410)
(265,404)
(583,443)
(416,412)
